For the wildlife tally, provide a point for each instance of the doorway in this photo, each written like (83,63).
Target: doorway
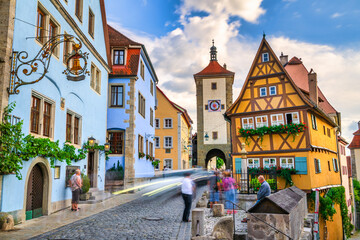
(91,168)
(35,190)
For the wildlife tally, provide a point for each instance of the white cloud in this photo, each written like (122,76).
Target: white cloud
(336,15)
(185,51)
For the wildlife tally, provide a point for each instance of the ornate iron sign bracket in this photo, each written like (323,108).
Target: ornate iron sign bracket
(22,68)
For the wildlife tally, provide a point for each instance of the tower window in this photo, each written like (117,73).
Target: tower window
(213,86)
(206,107)
(263,92)
(265,57)
(215,135)
(272,90)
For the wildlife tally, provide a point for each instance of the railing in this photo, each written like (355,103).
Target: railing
(234,219)
(247,182)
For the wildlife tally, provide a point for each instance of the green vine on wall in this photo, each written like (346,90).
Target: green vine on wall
(290,129)
(335,195)
(15,148)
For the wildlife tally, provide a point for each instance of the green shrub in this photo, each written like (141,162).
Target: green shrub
(86,183)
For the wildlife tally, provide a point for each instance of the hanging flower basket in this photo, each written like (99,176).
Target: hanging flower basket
(141,154)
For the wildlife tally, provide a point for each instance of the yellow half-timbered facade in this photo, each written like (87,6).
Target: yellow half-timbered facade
(285,121)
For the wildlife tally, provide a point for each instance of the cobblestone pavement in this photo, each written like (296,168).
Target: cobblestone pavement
(128,221)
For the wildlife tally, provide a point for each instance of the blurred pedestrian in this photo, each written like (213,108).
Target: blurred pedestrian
(214,188)
(75,184)
(187,190)
(229,189)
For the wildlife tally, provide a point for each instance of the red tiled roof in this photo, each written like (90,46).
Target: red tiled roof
(118,39)
(299,74)
(214,68)
(355,143)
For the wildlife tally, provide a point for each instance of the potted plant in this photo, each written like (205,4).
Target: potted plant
(85,195)
(141,154)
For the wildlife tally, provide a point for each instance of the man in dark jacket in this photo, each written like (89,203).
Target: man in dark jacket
(264,190)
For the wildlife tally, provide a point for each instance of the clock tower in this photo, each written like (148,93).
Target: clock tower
(213,97)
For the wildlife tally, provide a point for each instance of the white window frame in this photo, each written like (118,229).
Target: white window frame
(262,124)
(287,164)
(253,165)
(165,144)
(157,123)
(277,122)
(270,164)
(157,142)
(95,78)
(272,87)
(313,122)
(171,121)
(335,165)
(260,92)
(292,116)
(171,163)
(72,131)
(265,57)
(248,125)
(317,161)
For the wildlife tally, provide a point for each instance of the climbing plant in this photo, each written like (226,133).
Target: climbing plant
(285,173)
(219,162)
(335,195)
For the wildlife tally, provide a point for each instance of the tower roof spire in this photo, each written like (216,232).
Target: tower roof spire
(213,52)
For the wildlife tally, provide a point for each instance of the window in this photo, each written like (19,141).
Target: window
(41,115)
(79,9)
(147,147)
(213,86)
(263,92)
(151,117)
(328,132)
(73,127)
(67,48)
(324,130)
(117,96)
(168,123)
(141,105)
(168,142)
(313,121)
(91,23)
(277,119)
(118,57)
(261,121)
(151,153)
(142,70)
(40,33)
(206,107)
(222,106)
(317,165)
(287,163)
(140,143)
(168,150)
(168,163)
(292,118)
(157,123)
(265,57)
(272,90)
(335,165)
(157,167)
(248,123)
(253,162)
(95,81)
(329,166)
(151,87)
(215,135)
(157,142)
(116,141)
(269,162)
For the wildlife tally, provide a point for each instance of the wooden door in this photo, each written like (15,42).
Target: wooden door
(34,199)
(91,168)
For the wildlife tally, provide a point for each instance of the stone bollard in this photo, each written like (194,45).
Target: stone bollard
(202,203)
(224,228)
(6,222)
(218,210)
(198,222)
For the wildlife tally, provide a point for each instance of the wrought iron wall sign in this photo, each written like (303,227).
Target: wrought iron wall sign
(35,69)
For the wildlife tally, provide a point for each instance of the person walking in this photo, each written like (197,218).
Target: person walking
(187,190)
(229,189)
(75,184)
(214,188)
(264,190)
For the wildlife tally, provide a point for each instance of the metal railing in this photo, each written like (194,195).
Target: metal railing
(247,182)
(238,207)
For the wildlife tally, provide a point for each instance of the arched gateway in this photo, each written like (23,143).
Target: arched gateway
(211,156)
(213,98)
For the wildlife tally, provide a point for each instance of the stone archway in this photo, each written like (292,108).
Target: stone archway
(42,165)
(214,153)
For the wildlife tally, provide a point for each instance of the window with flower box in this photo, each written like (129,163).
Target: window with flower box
(287,163)
(277,119)
(269,162)
(292,118)
(261,121)
(253,162)
(248,123)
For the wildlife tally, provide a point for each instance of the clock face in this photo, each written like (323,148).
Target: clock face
(214,105)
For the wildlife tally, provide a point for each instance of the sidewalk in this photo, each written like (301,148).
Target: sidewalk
(44,224)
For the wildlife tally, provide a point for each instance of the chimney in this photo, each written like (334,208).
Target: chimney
(283,59)
(313,91)
(225,65)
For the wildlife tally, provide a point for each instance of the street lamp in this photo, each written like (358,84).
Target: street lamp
(91,141)
(107,147)
(206,137)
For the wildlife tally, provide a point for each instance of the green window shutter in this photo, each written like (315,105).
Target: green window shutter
(237,164)
(301,165)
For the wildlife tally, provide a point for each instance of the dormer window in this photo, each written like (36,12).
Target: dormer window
(265,57)
(118,57)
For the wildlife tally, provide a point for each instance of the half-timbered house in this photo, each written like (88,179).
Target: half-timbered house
(285,121)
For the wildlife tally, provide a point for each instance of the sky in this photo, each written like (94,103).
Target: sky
(177,35)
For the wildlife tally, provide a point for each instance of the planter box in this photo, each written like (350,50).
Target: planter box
(85,196)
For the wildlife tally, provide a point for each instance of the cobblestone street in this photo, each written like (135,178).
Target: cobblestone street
(128,221)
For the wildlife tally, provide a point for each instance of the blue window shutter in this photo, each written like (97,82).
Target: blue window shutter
(301,165)
(237,164)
